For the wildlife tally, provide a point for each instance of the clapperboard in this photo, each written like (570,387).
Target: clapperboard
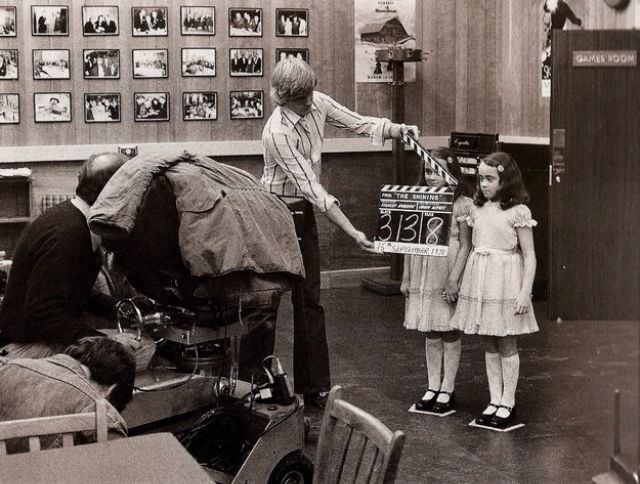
(416,219)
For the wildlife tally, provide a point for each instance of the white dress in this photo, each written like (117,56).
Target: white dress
(493,275)
(426,276)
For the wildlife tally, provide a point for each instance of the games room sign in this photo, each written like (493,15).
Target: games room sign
(605,58)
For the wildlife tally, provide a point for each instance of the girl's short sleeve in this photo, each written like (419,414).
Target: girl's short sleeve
(463,210)
(521,217)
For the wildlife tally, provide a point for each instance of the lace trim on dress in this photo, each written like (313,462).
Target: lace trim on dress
(526,223)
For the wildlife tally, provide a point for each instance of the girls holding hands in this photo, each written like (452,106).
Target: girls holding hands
(495,294)
(430,284)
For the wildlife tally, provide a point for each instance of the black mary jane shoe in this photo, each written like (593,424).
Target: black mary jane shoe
(444,407)
(503,422)
(485,418)
(426,405)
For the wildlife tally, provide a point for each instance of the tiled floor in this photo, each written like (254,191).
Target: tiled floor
(568,374)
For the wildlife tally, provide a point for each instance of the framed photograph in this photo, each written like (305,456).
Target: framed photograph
(101,63)
(102,107)
(151,106)
(9,108)
(7,21)
(302,54)
(149,21)
(292,22)
(198,62)
(245,62)
(246,104)
(101,20)
(49,20)
(8,64)
(245,22)
(52,107)
(51,64)
(199,105)
(150,63)
(198,20)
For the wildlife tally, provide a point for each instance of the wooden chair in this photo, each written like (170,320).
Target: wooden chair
(354,446)
(66,425)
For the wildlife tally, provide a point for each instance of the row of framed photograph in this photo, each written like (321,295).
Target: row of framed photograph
(153,21)
(51,64)
(106,107)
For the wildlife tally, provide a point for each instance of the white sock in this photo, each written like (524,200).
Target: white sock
(451,360)
(433,350)
(510,373)
(493,363)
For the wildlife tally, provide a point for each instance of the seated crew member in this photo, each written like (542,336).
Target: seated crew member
(54,267)
(69,383)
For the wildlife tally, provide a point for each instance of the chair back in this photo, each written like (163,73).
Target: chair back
(354,446)
(65,425)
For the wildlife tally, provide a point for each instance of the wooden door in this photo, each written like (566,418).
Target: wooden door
(595,184)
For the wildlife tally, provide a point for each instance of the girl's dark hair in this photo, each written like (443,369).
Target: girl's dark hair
(452,166)
(512,191)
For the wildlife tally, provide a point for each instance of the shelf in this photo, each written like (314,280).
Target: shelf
(15,220)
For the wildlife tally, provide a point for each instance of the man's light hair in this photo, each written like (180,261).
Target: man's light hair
(292,79)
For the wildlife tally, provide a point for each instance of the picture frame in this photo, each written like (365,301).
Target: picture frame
(52,107)
(49,20)
(150,63)
(151,106)
(102,107)
(246,104)
(101,63)
(198,61)
(8,21)
(198,20)
(9,108)
(9,69)
(51,64)
(199,105)
(245,22)
(292,22)
(246,62)
(283,53)
(149,21)
(100,20)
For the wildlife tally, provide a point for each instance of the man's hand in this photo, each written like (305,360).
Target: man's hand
(363,242)
(397,131)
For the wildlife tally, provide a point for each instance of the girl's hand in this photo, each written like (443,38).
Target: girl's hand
(450,293)
(522,304)
(404,290)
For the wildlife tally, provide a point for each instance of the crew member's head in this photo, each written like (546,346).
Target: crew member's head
(111,367)
(292,85)
(95,173)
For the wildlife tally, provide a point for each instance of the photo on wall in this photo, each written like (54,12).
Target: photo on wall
(246,104)
(198,20)
(49,20)
(51,64)
(199,105)
(198,62)
(102,107)
(9,108)
(245,62)
(52,107)
(7,21)
(101,63)
(245,22)
(151,106)
(292,22)
(302,54)
(102,20)
(149,21)
(8,64)
(150,63)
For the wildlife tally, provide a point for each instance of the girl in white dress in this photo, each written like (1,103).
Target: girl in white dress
(495,294)
(430,284)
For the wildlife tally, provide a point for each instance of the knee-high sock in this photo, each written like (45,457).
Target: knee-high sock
(494,376)
(451,359)
(433,349)
(510,373)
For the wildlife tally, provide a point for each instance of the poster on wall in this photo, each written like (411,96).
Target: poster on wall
(380,24)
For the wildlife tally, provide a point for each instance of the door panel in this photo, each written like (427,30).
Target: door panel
(595,202)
